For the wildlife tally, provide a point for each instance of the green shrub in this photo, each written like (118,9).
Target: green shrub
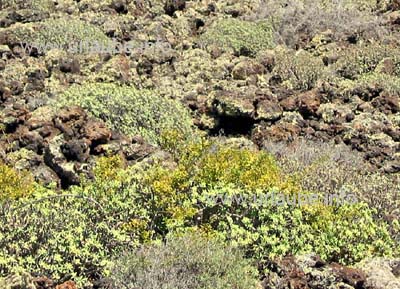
(76,234)
(71,34)
(71,235)
(364,58)
(189,196)
(131,111)
(299,70)
(41,5)
(372,81)
(184,262)
(245,38)
(14,184)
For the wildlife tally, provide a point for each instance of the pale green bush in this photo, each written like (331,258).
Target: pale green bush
(332,169)
(41,5)
(299,70)
(188,261)
(70,34)
(297,21)
(225,191)
(245,38)
(129,110)
(70,235)
(364,58)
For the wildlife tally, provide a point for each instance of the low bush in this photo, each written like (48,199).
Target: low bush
(364,58)
(245,38)
(376,82)
(189,261)
(299,70)
(189,196)
(332,169)
(129,110)
(14,184)
(41,5)
(71,235)
(76,234)
(63,33)
(295,22)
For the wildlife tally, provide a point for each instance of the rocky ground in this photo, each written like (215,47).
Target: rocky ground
(230,93)
(290,272)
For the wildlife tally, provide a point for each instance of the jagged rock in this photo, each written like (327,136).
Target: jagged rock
(137,151)
(277,133)
(310,272)
(246,68)
(333,113)
(55,159)
(393,17)
(31,140)
(233,104)
(96,133)
(308,103)
(67,285)
(2,64)
(70,65)
(5,50)
(174,5)
(43,283)
(120,6)
(16,87)
(267,59)
(70,120)
(387,103)
(18,281)
(58,146)
(12,117)
(289,103)
(75,150)
(353,277)
(268,110)
(45,175)
(24,159)
(380,273)
(392,167)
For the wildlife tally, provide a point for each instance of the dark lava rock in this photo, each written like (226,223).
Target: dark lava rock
(65,143)
(120,6)
(43,283)
(2,64)
(174,5)
(308,103)
(246,68)
(70,65)
(75,150)
(350,276)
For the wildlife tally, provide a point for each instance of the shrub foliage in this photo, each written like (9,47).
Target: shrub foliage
(14,184)
(245,38)
(189,261)
(129,110)
(295,22)
(77,234)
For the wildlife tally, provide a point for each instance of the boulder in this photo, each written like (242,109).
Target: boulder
(247,68)
(381,273)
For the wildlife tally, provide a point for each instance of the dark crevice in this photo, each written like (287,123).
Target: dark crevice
(233,125)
